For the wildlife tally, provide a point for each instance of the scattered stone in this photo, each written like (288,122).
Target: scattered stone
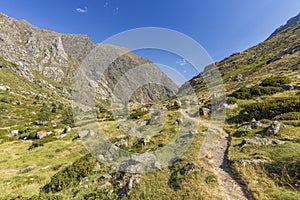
(144,109)
(274,128)
(67,129)
(244,128)
(84,180)
(105,185)
(238,78)
(179,121)
(256,124)
(193,131)
(86,186)
(260,141)
(287,87)
(28,168)
(177,103)
(63,135)
(85,133)
(42,134)
(156,165)
(132,182)
(4,88)
(14,132)
(138,163)
(190,167)
(254,161)
(121,143)
(205,111)
(146,140)
(98,166)
(106,176)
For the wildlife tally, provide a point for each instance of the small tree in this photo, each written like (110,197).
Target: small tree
(44,114)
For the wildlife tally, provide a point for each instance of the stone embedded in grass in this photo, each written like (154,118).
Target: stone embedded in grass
(67,129)
(274,128)
(14,132)
(254,161)
(28,168)
(42,134)
(260,141)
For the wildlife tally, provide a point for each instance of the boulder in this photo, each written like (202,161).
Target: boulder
(205,111)
(42,134)
(14,132)
(138,163)
(85,133)
(274,128)
(287,87)
(246,127)
(256,124)
(260,142)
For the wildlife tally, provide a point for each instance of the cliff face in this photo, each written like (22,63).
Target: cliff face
(58,57)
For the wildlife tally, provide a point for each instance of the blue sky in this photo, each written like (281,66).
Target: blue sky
(222,27)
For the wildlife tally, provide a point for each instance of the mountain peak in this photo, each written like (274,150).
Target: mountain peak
(291,22)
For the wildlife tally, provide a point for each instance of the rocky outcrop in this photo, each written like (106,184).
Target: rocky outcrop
(291,22)
(260,142)
(58,57)
(274,128)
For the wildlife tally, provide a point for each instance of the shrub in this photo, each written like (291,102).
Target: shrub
(73,173)
(268,109)
(28,133)
(248,93)
(275,81)
(41,142)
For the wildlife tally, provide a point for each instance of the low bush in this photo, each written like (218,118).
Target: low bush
(275,81)
(255,91)
(73,173)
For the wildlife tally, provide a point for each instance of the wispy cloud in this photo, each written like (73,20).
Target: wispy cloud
(181,62)
(82,10)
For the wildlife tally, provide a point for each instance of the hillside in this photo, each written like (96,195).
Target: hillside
(154,152)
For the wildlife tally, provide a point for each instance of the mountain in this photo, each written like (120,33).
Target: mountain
(291,22)
(41,52)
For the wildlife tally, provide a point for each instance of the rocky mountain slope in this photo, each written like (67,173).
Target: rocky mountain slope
(291,22)
(58,57)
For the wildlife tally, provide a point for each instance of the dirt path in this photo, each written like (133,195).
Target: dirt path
(230,187)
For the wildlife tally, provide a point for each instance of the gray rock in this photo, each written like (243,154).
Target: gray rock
(14,132)
(260,141)
(287,87)
(205,111)
(4,88)
(256,124)
(156,165)
(86,133)
(105,185)
(42,134)
(254,161)
(244,128)
(84,180)
(274,128)
(28,168)
(67,129)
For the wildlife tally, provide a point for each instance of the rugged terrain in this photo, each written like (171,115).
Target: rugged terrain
(43,155)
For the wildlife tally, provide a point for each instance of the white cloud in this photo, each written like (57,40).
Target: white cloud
(181,62)
(82,10)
